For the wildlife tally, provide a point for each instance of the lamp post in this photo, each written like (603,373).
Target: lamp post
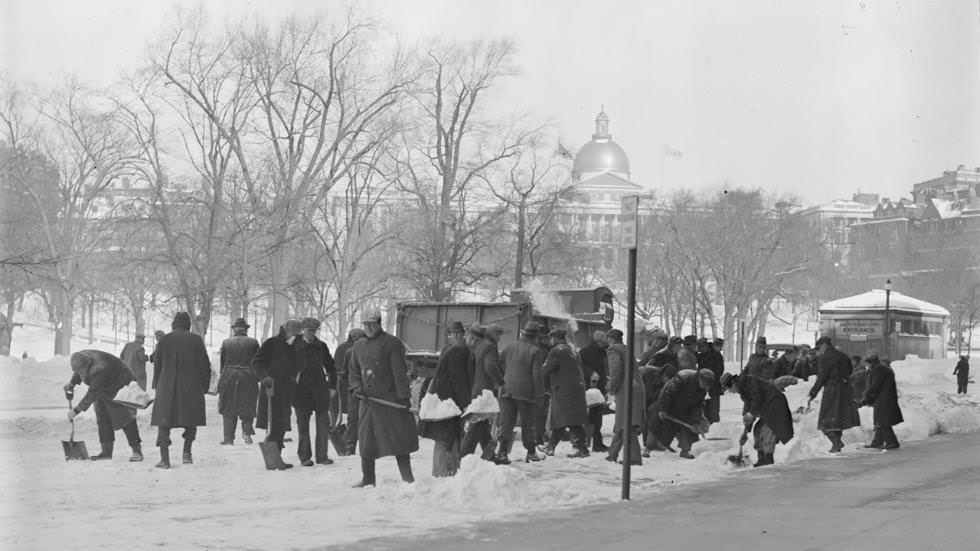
(888,321)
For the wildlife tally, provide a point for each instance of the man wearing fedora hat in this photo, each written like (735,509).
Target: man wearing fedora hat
(882,394)
(486,376)
(838,411)
(568,409)
(521,362)
(316,375)
(238,387)
(134,355)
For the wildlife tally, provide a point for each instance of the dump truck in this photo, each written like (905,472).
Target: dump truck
(422,326)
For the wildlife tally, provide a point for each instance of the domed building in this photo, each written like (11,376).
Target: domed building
(592,199)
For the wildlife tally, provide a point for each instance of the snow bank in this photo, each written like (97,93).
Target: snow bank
(227,500)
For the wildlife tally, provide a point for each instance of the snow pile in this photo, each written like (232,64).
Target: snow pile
(32,384)
(432,409)
(483,406)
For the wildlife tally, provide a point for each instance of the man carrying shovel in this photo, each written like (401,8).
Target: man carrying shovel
(766,407)
(104,374)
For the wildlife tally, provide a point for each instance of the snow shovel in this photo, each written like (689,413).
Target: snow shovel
(688,426)
(271,452)
(337,428)
(802,410)
(73,449)
(739,460)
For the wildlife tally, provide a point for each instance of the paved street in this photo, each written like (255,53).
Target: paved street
(923,496)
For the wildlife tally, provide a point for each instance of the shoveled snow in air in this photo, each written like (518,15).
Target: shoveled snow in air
(227,499)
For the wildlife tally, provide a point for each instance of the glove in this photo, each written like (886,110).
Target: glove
(662,415)
(72,415)
(743,439)
(268,382)
(748,418)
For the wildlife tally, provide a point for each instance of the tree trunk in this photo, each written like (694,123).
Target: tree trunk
(64,323)
(521,229)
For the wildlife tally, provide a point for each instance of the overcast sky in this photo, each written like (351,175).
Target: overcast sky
(813,98)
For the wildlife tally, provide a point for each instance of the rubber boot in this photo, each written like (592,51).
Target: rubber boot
(405,467)
(164,458)
(137,454)
(188,459)
(106,452)
(367,473)
(503,454)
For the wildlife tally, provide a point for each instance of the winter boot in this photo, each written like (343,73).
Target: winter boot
(106,452)
(405,467)
(838,442)
(137,454)
(503,454)
(230,422)
(533,457)
(579,452)
(367,473)
(187,458)
(164,458)
(548,449)
(877,441)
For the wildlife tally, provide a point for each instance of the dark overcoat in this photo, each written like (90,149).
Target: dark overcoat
(317,374)
(276,358)
(594,361)
(759,365)
(713,360)
(686,359)
(962,371)
(764,400)
(567,387)
(451,382)
(618,355)
(486,367)
(521,362)
(134,355)
(340,360)
(682,397)
(105,374)
(378,369)
(238,387)
(838,411)
(882,393)
(181,376)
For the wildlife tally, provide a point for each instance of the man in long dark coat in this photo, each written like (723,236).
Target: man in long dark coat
(275,366)
(452,381)
(521,362)
(134,355)
(379,377)
(765,406)
(662,368)
(595,374)
(568,409)
(683,399)
(882,393)
(315,376)
(962,372)
(343,382)
(759,364)
(340,361)
(105,374)
(629,422)
(712,360)
(486,376)
(238,387)
(181,376)
(838,411)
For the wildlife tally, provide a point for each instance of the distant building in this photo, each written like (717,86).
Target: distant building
(962,184)
(834,221)
(591,206)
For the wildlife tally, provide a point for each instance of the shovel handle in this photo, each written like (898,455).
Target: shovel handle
(71,437)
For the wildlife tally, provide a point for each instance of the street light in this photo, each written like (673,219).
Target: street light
(888,321)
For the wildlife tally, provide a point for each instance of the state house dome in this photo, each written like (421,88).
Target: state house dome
(602,154)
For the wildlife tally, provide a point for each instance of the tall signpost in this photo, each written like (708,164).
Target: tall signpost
(888,322)
(630,217)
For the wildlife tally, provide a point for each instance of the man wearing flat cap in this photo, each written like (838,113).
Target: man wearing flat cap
(882,394)
(759,363)
(687,356)
(348,404)
(682,399)
(712,360)
(595,374)
(316,376)
(765,412)
(379,378)
(452,381)
(628,422)
(238,387)
(181,376)
(134,355)
(568,409)
(486,376)
(838,411)
(655,375)
(275,366)
(521,362)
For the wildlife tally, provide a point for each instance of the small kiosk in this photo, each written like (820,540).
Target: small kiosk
(857,324)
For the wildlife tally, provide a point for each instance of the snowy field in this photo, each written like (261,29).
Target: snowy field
(227,500)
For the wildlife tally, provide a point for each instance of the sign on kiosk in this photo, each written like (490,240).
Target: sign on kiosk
(630,219)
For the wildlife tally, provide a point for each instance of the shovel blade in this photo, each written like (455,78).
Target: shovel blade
(271,454)
(74,450)
(737,460)
(337,439)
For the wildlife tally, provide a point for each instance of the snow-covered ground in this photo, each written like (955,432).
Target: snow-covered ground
(227,500)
